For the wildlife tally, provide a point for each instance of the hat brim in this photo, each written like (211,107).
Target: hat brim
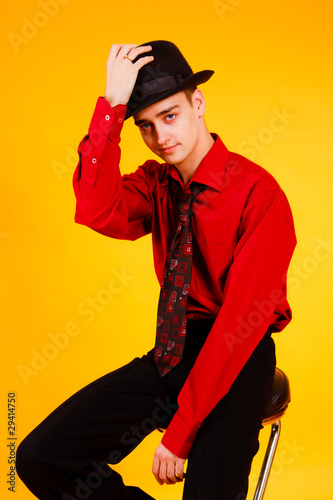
(191,81)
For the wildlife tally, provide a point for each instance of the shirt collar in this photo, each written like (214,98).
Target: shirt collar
(210,171)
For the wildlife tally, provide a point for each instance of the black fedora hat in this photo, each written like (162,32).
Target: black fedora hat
(166,75)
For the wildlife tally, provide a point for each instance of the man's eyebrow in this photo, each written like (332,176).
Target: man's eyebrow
(165,111)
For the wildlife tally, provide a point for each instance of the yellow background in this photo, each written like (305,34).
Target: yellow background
(269,57)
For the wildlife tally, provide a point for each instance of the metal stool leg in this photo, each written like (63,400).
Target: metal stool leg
(268,461)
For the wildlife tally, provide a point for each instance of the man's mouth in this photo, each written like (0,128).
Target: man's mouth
(168,150)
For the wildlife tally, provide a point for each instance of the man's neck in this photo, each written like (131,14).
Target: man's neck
(187,168)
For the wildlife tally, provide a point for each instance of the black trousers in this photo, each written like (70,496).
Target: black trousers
(66,457)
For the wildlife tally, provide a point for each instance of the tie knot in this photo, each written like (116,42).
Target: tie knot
(185,200)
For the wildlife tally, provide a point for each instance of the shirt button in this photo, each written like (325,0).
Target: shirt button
(120,120)
(93,160)
(107,117)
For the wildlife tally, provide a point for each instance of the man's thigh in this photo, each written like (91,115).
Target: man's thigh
(220,460)
(105,420)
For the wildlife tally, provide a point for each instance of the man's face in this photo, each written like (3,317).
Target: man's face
(171,127)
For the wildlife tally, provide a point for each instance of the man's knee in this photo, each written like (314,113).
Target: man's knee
(29,461)
(23,462)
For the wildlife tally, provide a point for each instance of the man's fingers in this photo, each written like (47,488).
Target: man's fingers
(130,49)
(167,473)
(135,51)
(164,472)
(180,470)
(114,50)
(142,61)
(156,470)
(171,476)
(118,48)
(160,472)
(125,49)
(167,467)
(121,73)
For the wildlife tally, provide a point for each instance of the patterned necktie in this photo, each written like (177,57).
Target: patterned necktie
(171,315)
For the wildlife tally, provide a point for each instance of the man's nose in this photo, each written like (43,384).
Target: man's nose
(162,135)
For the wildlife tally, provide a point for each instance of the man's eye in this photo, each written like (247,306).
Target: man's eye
(171,116)
(145,126)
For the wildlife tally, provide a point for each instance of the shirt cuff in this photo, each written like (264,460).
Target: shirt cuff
(179,436)
(106,119)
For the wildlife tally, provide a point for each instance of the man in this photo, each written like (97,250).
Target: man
(223,237)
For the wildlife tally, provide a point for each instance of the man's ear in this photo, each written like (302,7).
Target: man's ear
(199,102)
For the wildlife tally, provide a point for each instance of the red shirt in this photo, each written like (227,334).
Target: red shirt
(243,241)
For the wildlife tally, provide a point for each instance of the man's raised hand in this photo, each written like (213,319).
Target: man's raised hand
(122,72)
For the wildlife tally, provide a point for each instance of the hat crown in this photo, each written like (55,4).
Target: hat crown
(168,60)
(167,74)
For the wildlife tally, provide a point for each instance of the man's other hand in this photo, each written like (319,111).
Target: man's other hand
(122,73)
(167,467)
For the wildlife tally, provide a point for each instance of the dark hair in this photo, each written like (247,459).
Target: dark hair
(189,93)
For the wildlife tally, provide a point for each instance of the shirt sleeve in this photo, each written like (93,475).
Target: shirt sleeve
(115,205)
(254,295)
